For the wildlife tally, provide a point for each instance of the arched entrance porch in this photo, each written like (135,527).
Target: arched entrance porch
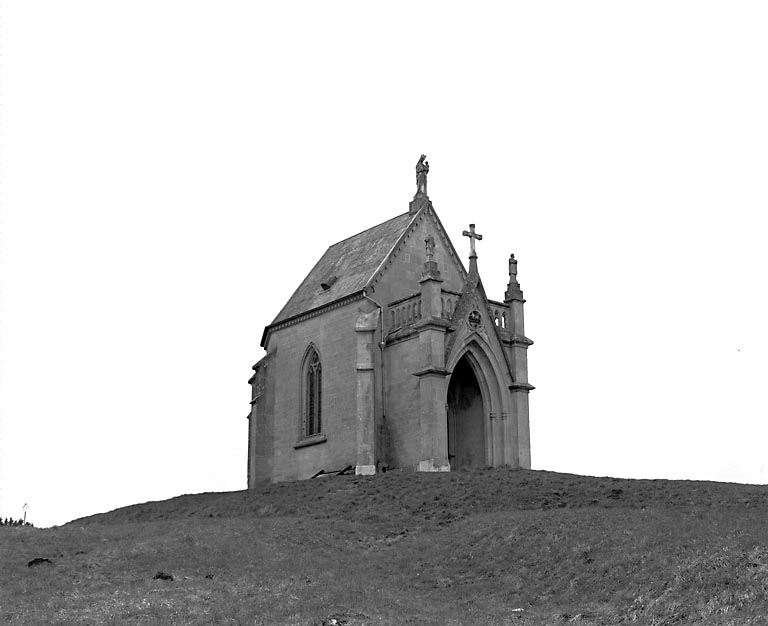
(466,418)
(477,408)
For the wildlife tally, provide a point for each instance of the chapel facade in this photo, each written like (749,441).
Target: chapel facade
(390,355)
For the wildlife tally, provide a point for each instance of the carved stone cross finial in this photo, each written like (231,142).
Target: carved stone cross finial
(472,236)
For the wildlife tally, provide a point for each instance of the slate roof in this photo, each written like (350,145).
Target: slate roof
(353,261)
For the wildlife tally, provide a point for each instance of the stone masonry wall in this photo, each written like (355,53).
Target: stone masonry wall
(260,425)
(401,360)
(333,335)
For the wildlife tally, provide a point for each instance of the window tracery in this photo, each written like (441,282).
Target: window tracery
(312,394)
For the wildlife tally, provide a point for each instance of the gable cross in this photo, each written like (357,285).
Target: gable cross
(472,236)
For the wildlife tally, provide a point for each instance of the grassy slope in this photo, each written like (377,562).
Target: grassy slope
(490,547)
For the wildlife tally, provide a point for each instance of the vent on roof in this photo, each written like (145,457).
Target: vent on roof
(328,283)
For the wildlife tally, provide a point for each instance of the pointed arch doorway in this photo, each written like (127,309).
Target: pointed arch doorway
(466,418)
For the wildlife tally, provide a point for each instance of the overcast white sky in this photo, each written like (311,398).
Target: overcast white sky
(171,170)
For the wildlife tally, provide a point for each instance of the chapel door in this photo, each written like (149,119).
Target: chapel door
(466,419)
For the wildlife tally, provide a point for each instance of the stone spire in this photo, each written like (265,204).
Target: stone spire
(516,346)
(472,254)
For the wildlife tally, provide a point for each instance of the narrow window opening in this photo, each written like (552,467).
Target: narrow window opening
(313,385)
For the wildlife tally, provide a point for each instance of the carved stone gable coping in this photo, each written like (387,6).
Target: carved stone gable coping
(473,303)
(424,211)
(393,254)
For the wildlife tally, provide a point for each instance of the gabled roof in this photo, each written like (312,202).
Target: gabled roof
(353,262)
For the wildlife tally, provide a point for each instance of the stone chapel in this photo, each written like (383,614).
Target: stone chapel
(390,355)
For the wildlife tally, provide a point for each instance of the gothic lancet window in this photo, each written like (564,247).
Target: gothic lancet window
(312,394)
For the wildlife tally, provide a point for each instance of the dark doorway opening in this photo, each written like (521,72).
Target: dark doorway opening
(466,419)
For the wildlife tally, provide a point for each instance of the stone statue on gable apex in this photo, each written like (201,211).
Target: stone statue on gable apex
(422,169)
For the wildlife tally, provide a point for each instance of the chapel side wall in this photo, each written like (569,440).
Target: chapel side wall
(401,361)
(261,426)
(402,275)
(333,335)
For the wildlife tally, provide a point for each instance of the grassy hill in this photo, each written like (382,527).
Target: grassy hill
(488,547)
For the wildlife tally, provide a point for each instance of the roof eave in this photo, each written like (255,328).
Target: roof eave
(289,321)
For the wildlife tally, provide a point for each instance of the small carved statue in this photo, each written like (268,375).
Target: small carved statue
(430,241)
(512,265)
(422,169)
